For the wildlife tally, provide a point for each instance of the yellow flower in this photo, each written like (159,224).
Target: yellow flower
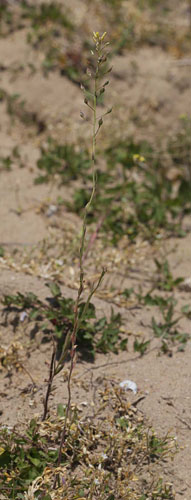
(138,158)
(97,37)
(103,36)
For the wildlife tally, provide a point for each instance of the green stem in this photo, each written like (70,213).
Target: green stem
(77,320)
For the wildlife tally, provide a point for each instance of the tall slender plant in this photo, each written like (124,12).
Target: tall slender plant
(95,73)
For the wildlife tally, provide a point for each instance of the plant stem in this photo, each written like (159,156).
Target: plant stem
(50,381)
(78,319)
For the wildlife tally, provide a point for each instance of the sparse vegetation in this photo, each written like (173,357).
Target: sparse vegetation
(62,162)
(99,222)
(106,461)
(134,193)
(55,319)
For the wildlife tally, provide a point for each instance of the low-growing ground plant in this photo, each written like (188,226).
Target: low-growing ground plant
(5,15)
(55,319)
(62,161)
(106,457)
(167,330)
(165,280)
(179,148)
(134,194)
(45,13)
(6,162)
(16,109)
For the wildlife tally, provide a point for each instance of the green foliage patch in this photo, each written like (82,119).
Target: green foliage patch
(56,319)
(44,13)
(64,161)
(134,194)
(166,329)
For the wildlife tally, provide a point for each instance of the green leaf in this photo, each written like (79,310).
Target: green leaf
(141,346)
(128,292)
(123,422)
(34,314)
(123,344)
(60,410)
(2,252)
(34,461)
(55,289)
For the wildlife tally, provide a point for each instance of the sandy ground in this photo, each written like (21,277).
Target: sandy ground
(149,91)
